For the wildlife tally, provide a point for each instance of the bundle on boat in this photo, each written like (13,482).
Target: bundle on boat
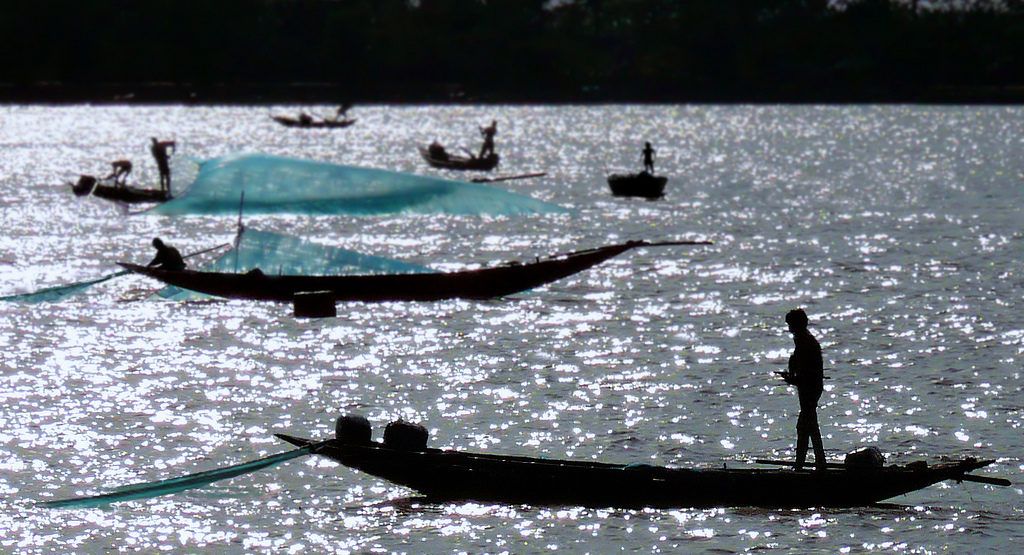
(401,282)
(448,475)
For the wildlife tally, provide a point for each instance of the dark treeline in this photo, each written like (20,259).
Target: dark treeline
(510,50)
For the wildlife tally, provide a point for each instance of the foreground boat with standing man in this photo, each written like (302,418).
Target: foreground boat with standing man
(445,475)
(448,475)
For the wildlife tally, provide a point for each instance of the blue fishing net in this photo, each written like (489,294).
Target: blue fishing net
(60,292)
(276,184)
(274,253)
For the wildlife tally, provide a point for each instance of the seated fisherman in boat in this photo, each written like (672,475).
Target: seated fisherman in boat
(121,170)
(648,153)
(167,257)
(806,373)
(487,148)
(305,119)
(436,151)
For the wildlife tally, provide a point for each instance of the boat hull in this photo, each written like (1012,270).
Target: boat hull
(458,476)
(637,185)
(322,124)
(131,195)
(485,283)
(487,163)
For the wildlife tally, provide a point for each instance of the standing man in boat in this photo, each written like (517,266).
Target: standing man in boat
(806,372)
(121,170)
(648,153)
(488,132)
(159,149)
(167,257)
(342,112)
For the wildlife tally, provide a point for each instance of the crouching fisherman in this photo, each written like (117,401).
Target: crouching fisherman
(167,257)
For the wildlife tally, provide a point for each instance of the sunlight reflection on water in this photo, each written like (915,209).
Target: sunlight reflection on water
(898,228)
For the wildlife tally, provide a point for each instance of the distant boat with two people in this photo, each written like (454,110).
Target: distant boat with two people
(306,120)
(486,160)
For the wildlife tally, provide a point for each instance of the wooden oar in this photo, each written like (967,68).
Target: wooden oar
(508,178)
(174,485)
(983,480)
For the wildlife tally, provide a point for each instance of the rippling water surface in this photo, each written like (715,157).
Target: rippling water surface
(899,229)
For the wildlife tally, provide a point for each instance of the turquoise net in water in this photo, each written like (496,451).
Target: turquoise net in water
(276,184)
(274,253)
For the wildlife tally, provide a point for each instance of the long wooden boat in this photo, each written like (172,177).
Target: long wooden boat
(89,185)
(444,475)
(289,121)
(640,184)
(483,283)
(456,162)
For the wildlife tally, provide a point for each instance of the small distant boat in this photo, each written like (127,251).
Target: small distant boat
(484,283)
(448,475)
(89,185)
(289,121)
(640,184)
(437,157)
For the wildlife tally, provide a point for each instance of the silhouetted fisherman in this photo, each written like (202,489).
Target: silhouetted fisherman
(162,157)
(121,170)
(167,257)
(648,153)
(488,132)
(342,112)
(806,372)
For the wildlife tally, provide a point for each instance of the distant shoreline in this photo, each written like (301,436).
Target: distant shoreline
(329,93)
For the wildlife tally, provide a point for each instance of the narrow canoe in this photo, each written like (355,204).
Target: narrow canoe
(288,121)
(455,162)
(640,184)
(90,186)
(444,475)
(484,283)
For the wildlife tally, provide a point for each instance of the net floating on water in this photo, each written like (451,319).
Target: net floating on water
(278,184)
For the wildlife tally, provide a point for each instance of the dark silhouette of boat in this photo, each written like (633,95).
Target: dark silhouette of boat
(89,185)
(445,475)
(289,121)
(484,283)
(438,158)
(640,184)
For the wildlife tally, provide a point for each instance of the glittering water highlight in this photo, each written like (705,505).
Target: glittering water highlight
(898,228)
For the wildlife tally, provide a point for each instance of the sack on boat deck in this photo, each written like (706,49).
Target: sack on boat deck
(352,428)
(405,436)
(869,457)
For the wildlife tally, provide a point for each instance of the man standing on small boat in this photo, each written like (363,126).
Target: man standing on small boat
(159,149)
(487,148)
(806,372)
(121,170)
(648,153)
(167,257)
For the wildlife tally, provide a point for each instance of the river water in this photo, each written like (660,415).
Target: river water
(898,229)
